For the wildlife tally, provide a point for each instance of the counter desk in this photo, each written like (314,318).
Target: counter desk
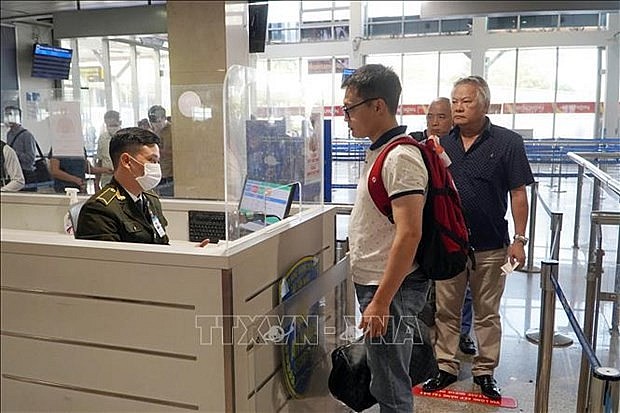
(105,326)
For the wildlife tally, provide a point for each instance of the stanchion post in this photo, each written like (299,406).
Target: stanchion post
(533,335)
(604,390)
(559,190)
(592,287)
(549,268)
(615,318)
(556,231)
(578,207)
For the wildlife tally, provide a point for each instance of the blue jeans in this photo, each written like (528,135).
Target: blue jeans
(389,356)
(467,312)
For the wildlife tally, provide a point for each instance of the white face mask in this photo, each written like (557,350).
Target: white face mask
(151,177)
(11,118)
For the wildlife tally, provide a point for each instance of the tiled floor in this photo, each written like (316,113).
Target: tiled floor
(520,310)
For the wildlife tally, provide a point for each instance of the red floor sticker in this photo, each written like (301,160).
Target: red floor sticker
(463,396)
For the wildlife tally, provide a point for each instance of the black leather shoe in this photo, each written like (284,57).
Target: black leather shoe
(488,386)
(441,380)
(466,344)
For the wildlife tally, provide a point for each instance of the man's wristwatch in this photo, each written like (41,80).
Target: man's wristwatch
(521,238)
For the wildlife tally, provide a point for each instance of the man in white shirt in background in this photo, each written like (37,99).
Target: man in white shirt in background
(112,120)
(11,175)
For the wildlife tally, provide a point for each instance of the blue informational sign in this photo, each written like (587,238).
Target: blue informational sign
(300,351)
(346,73)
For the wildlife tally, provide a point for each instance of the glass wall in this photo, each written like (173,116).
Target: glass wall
(308,21)
(580,21)
(547,92)
(424,77)
(128,74)
(554,95)
(402,19)
(542,92)
(576,92)
(121,80)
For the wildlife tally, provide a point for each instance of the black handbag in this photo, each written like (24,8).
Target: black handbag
(349,379)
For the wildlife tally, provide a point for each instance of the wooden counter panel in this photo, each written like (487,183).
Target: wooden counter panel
(106,370)
(39,398)
(97,321)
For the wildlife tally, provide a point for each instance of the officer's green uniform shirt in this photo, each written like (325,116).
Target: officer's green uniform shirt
(112,215)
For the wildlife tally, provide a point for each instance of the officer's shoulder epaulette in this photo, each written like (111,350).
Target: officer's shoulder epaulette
(107,196)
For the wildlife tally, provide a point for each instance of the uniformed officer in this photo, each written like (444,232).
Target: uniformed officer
(126,209)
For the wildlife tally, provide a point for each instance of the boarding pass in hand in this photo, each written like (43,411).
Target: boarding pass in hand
(509,267)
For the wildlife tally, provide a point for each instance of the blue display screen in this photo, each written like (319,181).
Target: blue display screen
(51,62)
(346,73)
(53,51)
(266,198)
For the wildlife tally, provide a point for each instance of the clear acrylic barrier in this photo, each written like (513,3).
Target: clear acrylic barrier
(196,138)
(70,125)
(273,136)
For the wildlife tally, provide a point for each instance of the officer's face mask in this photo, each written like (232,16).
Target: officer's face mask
(151,177)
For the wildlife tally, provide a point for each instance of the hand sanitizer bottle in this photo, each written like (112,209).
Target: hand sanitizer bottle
(73,199)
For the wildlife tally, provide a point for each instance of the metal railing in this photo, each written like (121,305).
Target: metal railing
(603,394)
(602,181)
(592,304)
(599,386)
(533,335)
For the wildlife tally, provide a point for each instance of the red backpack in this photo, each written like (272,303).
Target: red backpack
(444,247)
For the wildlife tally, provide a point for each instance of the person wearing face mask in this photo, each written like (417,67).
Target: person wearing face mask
(23,143)
(127,209)
(112,121)
(159,124)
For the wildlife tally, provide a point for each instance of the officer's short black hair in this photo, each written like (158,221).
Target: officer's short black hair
(130,140)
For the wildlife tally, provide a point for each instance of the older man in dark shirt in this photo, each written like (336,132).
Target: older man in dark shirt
(488,163)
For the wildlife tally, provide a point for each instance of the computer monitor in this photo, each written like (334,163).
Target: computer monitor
(266,201)
(346,73)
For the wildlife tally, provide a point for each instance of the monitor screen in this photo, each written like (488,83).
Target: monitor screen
(257,18)
(51,62)
(346,72)
(266,198)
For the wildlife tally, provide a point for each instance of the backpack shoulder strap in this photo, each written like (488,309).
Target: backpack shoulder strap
(35,142)
(3,172)
(15,137)
(39,149)
(376,188)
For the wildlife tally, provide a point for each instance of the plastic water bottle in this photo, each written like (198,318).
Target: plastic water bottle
(73,199)
(439,150)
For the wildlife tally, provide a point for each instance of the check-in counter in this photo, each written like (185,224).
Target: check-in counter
(105,326)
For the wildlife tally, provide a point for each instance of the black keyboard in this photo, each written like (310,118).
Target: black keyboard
(207,224)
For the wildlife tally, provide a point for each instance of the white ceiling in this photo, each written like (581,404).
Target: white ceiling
(10,10)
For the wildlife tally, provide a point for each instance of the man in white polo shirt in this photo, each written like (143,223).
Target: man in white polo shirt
(389,289)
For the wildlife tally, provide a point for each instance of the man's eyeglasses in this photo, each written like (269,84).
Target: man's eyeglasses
(347,109)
